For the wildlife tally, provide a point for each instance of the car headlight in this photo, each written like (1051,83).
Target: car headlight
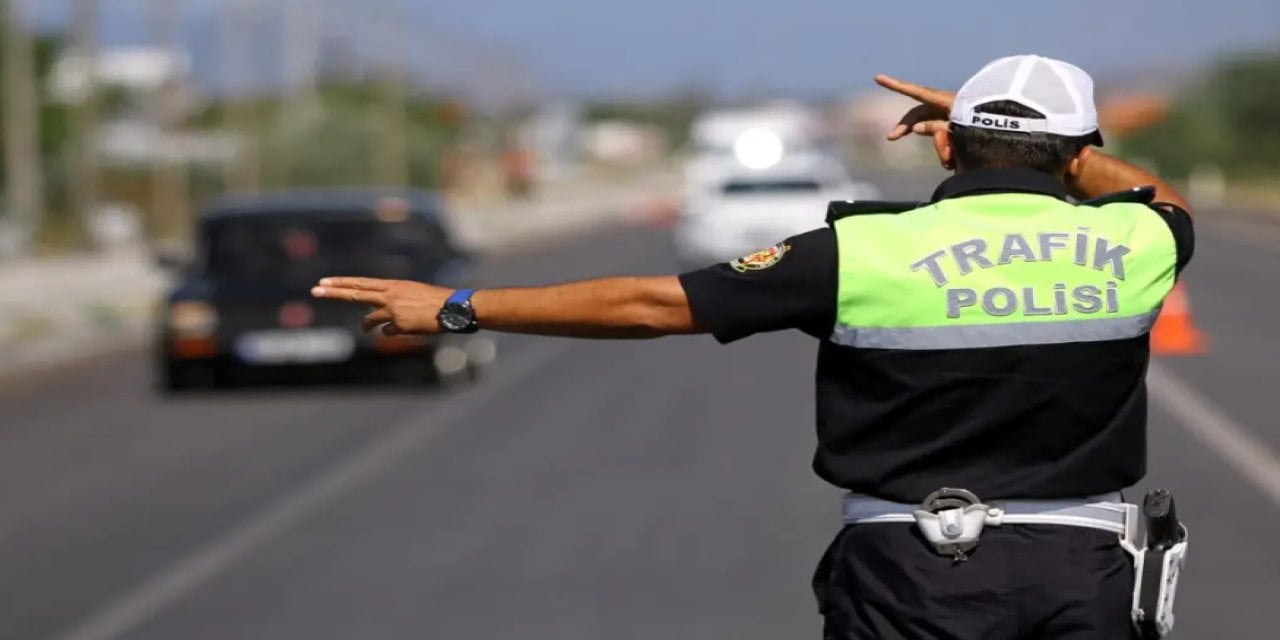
(758,148)
(192,318)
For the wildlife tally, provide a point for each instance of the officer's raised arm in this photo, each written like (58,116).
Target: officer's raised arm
(1091,174)
(1094,174)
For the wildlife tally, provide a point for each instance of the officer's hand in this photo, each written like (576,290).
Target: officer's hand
(400,307)
(928,117)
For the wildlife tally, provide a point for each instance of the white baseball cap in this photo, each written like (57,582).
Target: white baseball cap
(1061,91)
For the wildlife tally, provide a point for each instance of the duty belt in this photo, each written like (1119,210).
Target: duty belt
(952,520)
(1107,512)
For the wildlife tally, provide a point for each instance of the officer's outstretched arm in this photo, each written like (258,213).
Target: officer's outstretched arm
(634,307)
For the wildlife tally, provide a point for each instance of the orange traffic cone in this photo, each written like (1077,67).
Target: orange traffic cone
(1175,334)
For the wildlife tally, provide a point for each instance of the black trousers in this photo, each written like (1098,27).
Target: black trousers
(884,581)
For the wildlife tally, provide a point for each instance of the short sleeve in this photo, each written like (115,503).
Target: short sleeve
(791,285)
(1183,229)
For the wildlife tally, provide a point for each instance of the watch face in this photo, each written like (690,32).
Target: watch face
(455,318)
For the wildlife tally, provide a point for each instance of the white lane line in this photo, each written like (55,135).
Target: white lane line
(162,590)
(1250,456)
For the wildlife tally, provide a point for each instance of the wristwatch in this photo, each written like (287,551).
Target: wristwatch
(457,315)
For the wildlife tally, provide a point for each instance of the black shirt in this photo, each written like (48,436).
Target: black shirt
(1038,421)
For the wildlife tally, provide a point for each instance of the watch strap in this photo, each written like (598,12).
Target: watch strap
(459,304)
(460,296)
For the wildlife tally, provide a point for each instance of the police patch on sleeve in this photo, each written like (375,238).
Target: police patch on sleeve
(762,259)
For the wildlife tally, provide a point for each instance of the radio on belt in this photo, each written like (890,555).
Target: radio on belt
(1157,564)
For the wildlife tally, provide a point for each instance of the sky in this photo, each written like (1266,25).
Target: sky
(807,45)
(821,47)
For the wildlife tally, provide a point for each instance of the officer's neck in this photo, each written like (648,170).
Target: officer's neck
(1060,176)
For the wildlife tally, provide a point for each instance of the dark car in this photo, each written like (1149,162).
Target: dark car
(242,308)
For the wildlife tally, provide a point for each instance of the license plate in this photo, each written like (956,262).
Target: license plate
(308,346)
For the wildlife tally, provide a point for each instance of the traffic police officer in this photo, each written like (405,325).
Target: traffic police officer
(980,372)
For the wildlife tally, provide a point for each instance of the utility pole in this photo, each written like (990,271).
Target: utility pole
(391,153)
(24,193)
(301,41)
(244,172)
(171,188)
(84,117)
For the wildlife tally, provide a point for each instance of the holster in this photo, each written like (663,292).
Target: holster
(1158,544)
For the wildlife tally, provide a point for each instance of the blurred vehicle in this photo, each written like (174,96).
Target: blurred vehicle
(717,133)
(242,309)
(732,207)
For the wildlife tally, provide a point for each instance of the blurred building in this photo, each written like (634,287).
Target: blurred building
(134,69)
(621,142)
(552,136)
(138,127)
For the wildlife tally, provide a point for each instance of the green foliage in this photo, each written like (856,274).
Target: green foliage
(334,139)
(1230,118)
(328,139)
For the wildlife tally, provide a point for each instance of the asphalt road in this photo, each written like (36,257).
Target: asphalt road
(585,490)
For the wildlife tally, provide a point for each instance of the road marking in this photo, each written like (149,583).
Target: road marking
(1250,456)
(162,590)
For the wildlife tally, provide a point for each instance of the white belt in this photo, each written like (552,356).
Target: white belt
(1107,512)
(952,521)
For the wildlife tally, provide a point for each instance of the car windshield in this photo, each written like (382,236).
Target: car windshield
(301,247)
(748,187)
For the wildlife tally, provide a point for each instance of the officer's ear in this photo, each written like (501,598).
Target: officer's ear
(942,144)
(1075,168)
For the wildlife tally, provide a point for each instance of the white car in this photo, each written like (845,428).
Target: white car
(731,210)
